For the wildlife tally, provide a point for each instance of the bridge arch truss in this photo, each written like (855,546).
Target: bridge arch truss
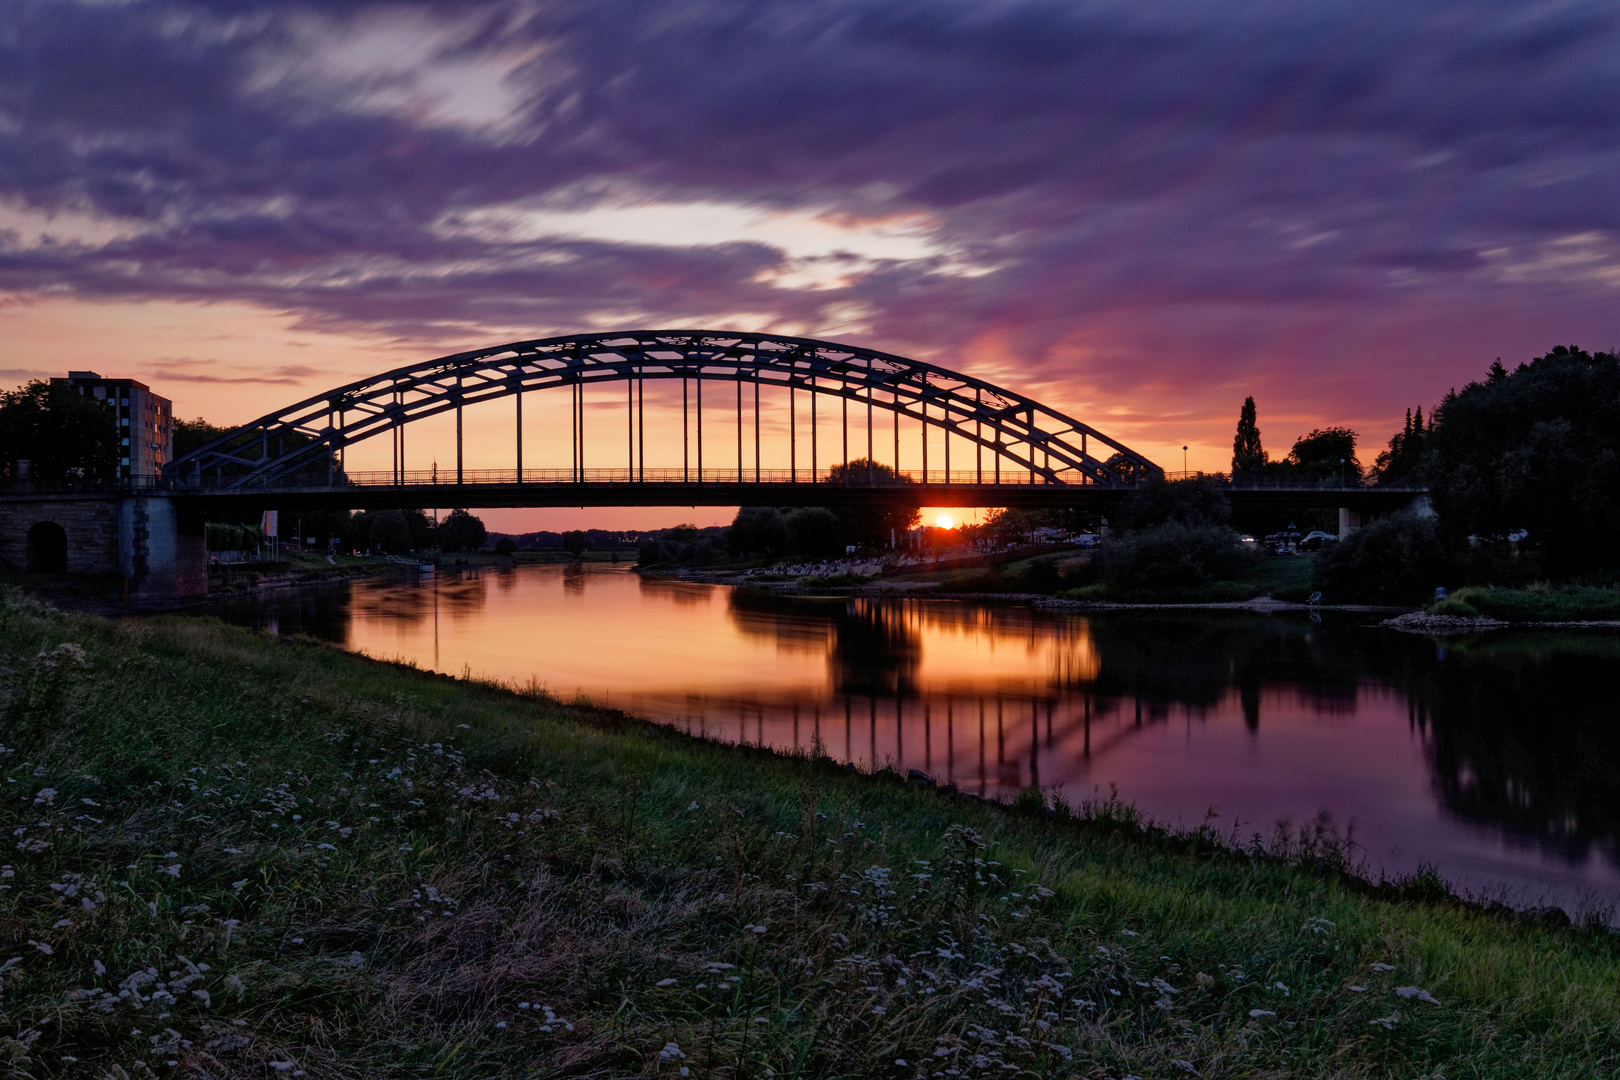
(303,445)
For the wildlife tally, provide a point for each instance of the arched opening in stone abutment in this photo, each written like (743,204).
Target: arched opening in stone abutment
(47,548)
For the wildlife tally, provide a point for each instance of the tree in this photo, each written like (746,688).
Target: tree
(461,531)
(506,546)
(191,435)
(388,532)
(574,543)
(1326,454)
(1248,456)
(1404,458)
(1537,448)
(61,433)
(813,532)
(874,522)
(757,530)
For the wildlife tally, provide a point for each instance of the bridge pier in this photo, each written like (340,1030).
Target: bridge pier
(1349,521)
(155,543)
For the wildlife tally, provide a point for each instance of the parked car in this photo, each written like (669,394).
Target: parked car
(1316,539)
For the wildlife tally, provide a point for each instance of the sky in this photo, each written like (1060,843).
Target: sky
(1136,213)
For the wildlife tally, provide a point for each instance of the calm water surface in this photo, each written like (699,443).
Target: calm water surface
(1497,760)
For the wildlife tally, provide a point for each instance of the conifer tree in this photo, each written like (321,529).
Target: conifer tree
(1247,453)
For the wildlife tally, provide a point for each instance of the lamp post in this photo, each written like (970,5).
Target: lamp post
(1184,463)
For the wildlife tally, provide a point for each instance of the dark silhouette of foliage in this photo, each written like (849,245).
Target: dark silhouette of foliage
(1538,449)
(873,523)
(61,433)
(1248,456)
(1170,535)
(506,546)
(757,530)
(813,532)
(1404,458)
(189,435)
(1395,560)
(574,543)
(461,531)
(1326,454)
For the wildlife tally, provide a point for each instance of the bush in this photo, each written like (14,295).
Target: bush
(1396,560)
(506,546)
(1172,555)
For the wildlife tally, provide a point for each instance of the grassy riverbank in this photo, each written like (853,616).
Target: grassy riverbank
(239,856)
(1533,604)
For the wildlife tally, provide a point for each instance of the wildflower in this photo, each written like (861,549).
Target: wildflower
(694,805)
(900,1062)
(172,871)
(665,982)
(1388,1023)
(45,795)
(1130,933)
(100,968)
(670,1052)
(1414,992)
(42,947)
(1358,989)
(760,1020)
(500,1023)
(1258,1013)
(755,929)
(1383,967)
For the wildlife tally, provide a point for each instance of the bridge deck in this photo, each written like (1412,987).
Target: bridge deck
(675,487)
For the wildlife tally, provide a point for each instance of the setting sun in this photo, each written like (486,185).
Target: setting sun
(944,521)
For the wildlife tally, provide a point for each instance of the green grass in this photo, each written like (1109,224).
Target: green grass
(1281,577)
(231,853)
(1533,604)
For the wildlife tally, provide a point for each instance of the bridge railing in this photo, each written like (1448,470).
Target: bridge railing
(484,477)
(616,476)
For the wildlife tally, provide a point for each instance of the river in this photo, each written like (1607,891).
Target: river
(1496,759)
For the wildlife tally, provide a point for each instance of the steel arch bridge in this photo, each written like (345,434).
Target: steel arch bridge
(300,449)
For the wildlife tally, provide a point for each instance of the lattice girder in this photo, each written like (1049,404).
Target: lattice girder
(1002,421)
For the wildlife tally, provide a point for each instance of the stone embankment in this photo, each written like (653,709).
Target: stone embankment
(1421,622)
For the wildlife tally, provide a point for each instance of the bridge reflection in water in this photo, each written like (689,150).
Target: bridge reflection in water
(1492,760)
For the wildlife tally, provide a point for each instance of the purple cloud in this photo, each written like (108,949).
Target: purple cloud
(1347,205)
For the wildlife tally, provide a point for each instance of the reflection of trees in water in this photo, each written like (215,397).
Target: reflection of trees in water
(1195,661)
(1522,731)
(878,649)
(320,611)
(574,578)
(681,593)
(795,626)
(875,645)
(458,596)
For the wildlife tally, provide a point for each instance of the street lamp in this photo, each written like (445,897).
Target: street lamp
(1184,463)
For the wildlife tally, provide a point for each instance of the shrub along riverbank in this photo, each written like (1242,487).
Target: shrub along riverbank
(239,856)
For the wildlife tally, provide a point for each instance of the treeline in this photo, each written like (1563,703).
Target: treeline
(1523,470)
(593,539)
(384,532)
(805,532)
